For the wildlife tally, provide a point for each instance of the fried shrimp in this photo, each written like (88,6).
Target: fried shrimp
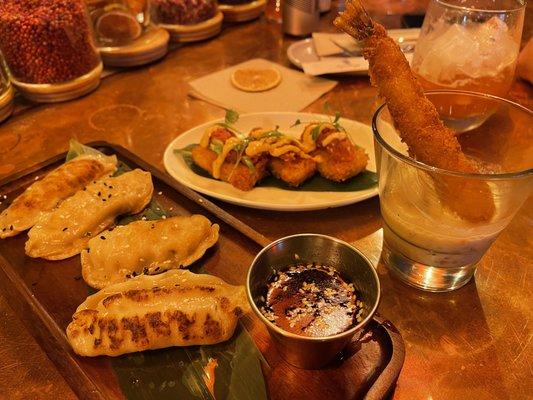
(415,117)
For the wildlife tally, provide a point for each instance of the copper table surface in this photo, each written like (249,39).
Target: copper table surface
(471,343)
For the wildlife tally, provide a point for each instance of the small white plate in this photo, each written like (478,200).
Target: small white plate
(270,198)
(303,51)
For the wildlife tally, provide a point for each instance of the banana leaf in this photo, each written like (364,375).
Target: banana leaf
(179,372)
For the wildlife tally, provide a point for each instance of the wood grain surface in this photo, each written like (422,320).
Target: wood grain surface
(472,343)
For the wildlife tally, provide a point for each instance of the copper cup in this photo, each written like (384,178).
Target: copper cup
(353,266)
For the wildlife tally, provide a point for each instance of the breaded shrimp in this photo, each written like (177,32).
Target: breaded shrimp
(415,117)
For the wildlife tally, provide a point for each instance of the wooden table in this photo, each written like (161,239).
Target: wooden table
(471,343)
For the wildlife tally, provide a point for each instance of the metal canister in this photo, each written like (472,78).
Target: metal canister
(300,17)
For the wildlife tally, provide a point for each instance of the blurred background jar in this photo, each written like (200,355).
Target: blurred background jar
(118,22)
(6,92)
(187,20)
(470,45)
(182,12)
(49,48)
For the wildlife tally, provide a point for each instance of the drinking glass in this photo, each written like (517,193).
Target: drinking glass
(437,224)
(472,47)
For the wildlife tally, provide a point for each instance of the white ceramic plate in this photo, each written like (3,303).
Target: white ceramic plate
(270,198)
(302,51)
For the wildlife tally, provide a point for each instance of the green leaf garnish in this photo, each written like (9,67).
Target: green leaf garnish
(316,132)
(337,117)
(241,146)
(269,134)
(327,107)
(216,146)
(248,162)
(77,149)
(296,123)
(231,117)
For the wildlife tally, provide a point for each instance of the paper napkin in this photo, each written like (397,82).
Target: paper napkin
(325,43)
(295,92)
(334,65)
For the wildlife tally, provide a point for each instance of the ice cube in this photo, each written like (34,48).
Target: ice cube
(474,50)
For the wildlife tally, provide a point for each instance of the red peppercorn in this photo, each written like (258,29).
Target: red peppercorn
(47,41)
(183,12)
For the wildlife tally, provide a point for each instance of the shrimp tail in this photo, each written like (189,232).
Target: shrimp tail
(355,21)
(415,117)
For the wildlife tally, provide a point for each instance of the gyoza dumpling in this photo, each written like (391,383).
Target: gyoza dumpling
(176,308)
(128,250)
(45,194)
(66,230)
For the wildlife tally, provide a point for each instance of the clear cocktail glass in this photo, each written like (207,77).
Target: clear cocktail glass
(470,45)
(437,224)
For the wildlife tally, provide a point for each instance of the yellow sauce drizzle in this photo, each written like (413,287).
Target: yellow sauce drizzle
(307,136)
(228,146)
(333,136)
(207,136)
(275,146)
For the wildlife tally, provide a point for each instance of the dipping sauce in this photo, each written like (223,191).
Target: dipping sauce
(311,300)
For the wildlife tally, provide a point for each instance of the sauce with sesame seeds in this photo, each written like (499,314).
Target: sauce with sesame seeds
(311,300)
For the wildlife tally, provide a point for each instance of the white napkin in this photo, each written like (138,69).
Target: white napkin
(295,92)
(331,65)
(325,43)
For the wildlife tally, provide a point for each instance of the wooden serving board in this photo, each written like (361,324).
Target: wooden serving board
(45,294)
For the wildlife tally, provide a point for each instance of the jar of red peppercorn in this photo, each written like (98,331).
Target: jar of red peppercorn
(187,20)
(124,34)
(6,93)
(49,48)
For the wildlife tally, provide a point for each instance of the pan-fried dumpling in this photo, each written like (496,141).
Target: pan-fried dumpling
(176,308)
(45,194)
(132,249)
(66,230)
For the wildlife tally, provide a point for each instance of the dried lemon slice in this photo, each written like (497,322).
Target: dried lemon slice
(118,25)
(255,79)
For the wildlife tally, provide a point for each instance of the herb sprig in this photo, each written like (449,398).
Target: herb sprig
(230,119)
(333,120)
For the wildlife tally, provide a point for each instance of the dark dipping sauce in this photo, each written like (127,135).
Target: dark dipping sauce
(311,300)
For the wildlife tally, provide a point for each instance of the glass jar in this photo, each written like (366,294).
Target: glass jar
(6,93)
(118,22)
(183,12)
(187,20)
(49,42)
